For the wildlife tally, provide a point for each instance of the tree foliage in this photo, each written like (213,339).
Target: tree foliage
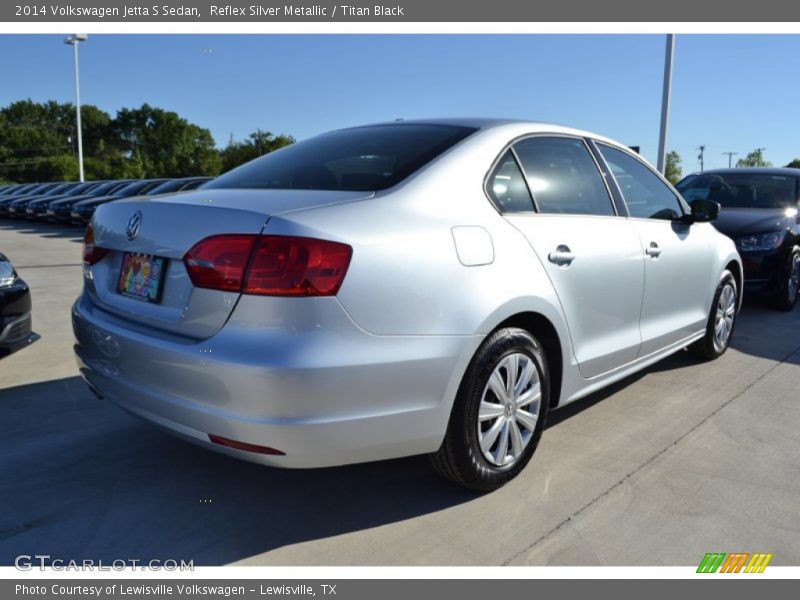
(754,159)
(38,143)
(795,164)
(672,167)
(257,143)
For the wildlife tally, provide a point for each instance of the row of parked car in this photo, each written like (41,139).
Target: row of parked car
(75,202)
(71,203)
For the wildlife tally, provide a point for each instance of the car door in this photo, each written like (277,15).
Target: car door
(677,254)
(550,188)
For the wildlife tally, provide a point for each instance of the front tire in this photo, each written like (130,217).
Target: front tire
(721,321)
(787,296)
(499,412)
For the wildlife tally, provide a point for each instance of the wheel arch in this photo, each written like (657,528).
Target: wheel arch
(736,269)
(540,327)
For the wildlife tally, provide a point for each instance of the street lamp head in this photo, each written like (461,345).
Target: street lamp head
(76,38)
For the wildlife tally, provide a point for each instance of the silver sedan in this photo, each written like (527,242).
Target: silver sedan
(396,289)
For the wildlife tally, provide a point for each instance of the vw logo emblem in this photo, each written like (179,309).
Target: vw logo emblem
(134,223)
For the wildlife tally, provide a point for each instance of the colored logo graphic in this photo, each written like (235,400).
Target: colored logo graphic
(736,562)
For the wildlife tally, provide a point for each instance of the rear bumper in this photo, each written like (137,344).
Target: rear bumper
(324,394)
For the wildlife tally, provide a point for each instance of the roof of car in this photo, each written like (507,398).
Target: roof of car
(515,126)
(752,170)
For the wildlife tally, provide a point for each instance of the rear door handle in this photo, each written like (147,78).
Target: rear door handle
(653,250)
(562,256)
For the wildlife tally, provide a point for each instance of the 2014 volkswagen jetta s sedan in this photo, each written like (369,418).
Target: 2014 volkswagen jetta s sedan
(760,213)
(396,289)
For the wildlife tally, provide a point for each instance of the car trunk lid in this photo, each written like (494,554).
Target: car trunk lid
(168,226)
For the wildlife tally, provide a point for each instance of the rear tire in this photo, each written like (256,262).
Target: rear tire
(721,321)
(786,298)
(498,414)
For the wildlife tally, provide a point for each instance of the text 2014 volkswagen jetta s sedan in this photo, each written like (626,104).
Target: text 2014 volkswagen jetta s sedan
(396,289)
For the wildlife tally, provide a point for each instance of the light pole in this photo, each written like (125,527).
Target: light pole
(730,157)
(73,41)
(662,138)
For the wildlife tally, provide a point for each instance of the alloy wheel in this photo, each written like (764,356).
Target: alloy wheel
(726,312)
(509,409)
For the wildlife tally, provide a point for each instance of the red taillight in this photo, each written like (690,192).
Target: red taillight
(91,253)
(269,265)
(228,443)
(219,262)
(296,266)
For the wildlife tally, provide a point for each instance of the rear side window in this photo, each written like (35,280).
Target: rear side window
(646,196)
(507,188)
(359,159)
(563,177)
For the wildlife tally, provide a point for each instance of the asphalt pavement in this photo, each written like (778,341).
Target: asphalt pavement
(682,459)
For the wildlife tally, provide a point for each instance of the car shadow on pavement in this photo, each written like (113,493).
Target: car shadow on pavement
(45,230)
(80,478)
(768,333)
(760,331)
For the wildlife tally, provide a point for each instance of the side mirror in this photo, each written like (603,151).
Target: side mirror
(704,211)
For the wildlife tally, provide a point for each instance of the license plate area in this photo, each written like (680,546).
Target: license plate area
(141,276)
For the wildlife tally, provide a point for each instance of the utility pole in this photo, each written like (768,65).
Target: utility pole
(700,157)
(665,97)
(73,41)
(730,155)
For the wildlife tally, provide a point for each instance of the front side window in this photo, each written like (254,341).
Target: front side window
(507,188)
(563,177)
(646,196)
(359,159)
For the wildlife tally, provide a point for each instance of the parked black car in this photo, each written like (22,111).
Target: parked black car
(37,207)
(179,185)
(18,209)
(22,192)
(82,211)
(760,213)
(60,210)
(15,308)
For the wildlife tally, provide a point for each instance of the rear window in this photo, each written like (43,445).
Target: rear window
(742,190)
(359,159)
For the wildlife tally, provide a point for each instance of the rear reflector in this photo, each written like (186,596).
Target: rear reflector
(244,446)
(92,254)
(269,265)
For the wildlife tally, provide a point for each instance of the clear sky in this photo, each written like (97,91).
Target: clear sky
(730,92)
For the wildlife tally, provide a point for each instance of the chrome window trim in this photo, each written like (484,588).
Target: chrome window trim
(536,211)
(681,202)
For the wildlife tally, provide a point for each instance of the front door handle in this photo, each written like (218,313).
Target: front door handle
(562,256)
(653,250)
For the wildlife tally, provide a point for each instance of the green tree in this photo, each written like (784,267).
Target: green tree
(754,159)
(38,141)
(257,143)
(672,167)
(165,145)
(795,164)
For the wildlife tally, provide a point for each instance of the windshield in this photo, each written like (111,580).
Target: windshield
(359,159)
(167,186)
(104,188)
(742,190)
(133,188)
